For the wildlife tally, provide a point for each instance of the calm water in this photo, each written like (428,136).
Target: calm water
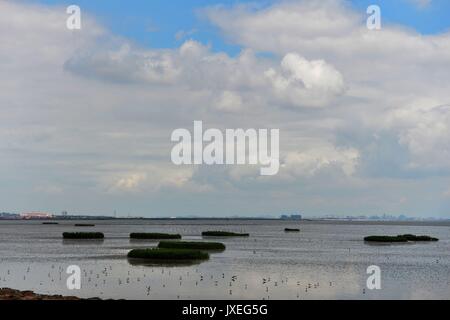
(323,261)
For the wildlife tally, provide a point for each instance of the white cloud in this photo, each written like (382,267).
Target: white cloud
(394,78)
(229,101)
(230,81)
(283,23)
(425,131)
(148,178)
(310,162)
(302,82)
(129,182)
(125,64)
(328,30)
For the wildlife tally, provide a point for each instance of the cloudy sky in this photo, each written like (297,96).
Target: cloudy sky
(364,116)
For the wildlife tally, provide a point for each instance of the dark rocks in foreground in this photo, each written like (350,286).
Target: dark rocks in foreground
(12,294)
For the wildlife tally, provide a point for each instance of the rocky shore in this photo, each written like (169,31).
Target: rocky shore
(12,294)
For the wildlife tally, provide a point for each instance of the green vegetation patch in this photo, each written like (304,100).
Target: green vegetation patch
(399,238)
(168,254)
(411,237)
(223,234)
(385,239)
(191,245)
(83,235)
(154,236)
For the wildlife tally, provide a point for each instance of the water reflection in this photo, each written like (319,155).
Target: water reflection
(75,242)
(163,263)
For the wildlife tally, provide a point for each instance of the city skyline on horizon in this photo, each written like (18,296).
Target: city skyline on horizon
(40,215)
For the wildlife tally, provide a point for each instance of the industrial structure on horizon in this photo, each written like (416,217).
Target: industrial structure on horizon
(36,215)
(291,217)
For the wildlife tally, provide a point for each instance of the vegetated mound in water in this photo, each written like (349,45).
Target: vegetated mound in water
(83,235)
(191,245)
(223,234)
(164,254)
(154,236)
(399,238)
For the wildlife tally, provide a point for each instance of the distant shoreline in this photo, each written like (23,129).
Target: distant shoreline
(243,219)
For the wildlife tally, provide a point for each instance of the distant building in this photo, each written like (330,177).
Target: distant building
(36,215)
(7,215)
(291,217)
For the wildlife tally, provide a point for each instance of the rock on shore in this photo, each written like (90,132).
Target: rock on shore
(11,294)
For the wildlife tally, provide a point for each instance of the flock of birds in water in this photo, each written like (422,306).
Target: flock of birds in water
(181,284)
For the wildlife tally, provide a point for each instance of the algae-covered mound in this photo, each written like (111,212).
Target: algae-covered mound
(191,245)
(411,237)
(154,236)
(385,239)
(168,254)
(223,234)
(399,238)
(83,235)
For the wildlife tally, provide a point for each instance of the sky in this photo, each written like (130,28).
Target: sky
(87,115)
(156,23)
